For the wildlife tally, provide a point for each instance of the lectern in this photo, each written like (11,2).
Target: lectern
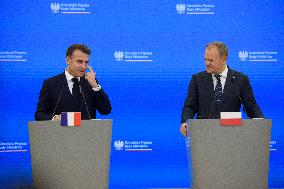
(229,156)
(70,157)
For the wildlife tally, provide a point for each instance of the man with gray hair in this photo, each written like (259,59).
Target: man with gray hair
(218,89)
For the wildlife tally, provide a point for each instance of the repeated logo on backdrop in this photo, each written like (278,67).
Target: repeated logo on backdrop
(272,145)
(133,145)
(133,56)
(13,146)
(13,56)
(258,56)
(201,7)
(70,8)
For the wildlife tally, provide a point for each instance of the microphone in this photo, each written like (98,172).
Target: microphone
(233,80)
(57,102)
(82,92)
(212,105)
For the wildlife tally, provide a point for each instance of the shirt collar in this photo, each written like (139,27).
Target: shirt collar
(223,73)
(69,77)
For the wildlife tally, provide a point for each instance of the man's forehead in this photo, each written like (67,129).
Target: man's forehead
(211,51)
(78,51)
(79,54)
(211,48)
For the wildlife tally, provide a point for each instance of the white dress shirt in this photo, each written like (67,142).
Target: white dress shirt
(222,78)
(70,83)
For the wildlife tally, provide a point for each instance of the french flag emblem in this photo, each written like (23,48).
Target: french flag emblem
(231,119)
(72,119)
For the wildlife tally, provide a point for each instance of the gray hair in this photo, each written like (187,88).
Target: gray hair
(222,48)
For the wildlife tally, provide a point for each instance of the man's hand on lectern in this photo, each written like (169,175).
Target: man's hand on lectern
(183,129)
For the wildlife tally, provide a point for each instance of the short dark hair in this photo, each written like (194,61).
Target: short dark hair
(80,47)
(222,48)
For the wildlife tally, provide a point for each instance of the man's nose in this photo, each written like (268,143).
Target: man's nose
(84,65)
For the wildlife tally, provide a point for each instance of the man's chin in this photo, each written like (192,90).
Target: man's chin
(80,74)
(209,71)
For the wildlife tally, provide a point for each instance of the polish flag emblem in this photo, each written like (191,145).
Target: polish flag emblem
(231,119)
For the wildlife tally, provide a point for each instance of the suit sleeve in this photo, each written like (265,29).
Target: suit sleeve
(44,105)
(190,106)
(102,102)
(250,104)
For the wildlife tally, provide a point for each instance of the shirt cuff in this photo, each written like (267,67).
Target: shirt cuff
(53,117)
(97,88)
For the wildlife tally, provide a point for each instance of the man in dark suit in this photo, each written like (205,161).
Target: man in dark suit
(74,90)
(218,89)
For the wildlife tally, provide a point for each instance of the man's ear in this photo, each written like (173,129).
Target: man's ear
(224,59)
(68,60)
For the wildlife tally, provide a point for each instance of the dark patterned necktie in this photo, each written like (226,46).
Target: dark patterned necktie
(76,93)
(218,92)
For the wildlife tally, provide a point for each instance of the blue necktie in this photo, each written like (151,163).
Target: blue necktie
(218,92)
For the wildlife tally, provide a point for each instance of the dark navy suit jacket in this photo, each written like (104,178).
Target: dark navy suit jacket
(54,86)
(201,98)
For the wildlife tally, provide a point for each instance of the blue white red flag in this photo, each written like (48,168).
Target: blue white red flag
(72,119)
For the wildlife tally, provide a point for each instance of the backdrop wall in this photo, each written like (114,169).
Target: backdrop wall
(144,53)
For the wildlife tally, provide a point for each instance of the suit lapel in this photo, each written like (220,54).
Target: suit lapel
(66,92)
(64,83)
(209,83)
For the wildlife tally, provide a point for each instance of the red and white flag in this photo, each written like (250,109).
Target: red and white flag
(231,119)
